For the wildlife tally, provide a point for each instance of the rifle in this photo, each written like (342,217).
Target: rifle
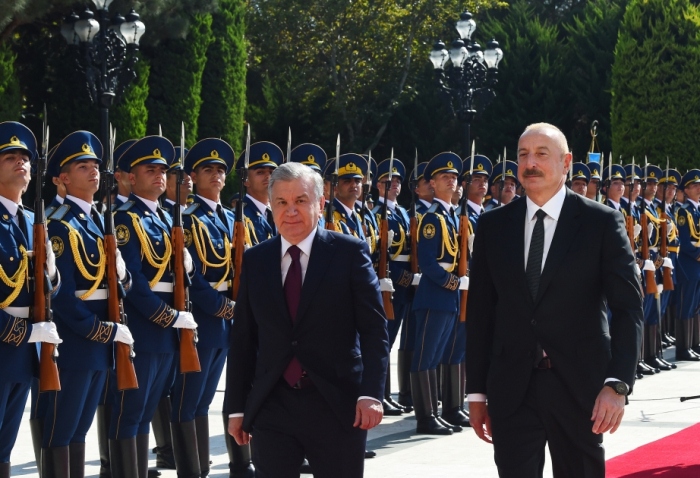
(383,268)
(239,224)
(48,370)
(463,254)
(330,224)
(413,224)
(126,374)
(189,359)
(649,276)
(365,192)
(667,277)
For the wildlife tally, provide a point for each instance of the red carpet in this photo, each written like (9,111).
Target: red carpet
(676,456)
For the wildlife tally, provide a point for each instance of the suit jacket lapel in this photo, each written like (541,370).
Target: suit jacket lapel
(566,230)
(515,228)
(275,277)
(321,254)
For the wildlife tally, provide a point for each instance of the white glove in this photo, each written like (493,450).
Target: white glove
(187,259)
(185,320)
(385,285)
(667,263)
(50,261)
(45,332)
(637,270)
(121,270)
(390,235)
(416,278)
(649,266)
(650,232)
(368,239)
(637,230)
(464,283)
(123,335)
(470,243)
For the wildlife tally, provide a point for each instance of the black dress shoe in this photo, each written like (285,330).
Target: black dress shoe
(666,362)
(431,426)
(455,417)
(395,404)
(670,339)
(644,369)
(370,454)
(446,424)
(305,467)
(390,410)
(153,473)
(638,376)
(655,363)
(686,356)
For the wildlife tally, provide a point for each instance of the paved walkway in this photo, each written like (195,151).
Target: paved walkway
(654,412)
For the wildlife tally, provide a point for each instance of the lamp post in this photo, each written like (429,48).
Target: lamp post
(107,54)
(465,74)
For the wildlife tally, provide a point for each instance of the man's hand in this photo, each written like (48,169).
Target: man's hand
(235,429)
(368,414)
(608,411)
(480,420)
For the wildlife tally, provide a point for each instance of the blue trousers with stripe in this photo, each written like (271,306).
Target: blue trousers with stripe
(433,328)
(194,392)
(13,398)
(686,299)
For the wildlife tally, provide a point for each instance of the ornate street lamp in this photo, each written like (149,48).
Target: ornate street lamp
(465,74)
(107,54)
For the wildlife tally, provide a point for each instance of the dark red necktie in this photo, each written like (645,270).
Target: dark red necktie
(292,292)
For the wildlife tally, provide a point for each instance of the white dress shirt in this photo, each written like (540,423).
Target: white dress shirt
(123,199)
(389,202)
(152,205)
(553,209)
(58,199)
(449,207)
(85,206)
(182,208)
(476,207)
(11,207)
(427,204)
(261,207)
(615,204)
(209,202)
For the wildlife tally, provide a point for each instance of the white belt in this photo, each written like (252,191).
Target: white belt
(162,287)
(402,258)
(21,312)
(99,294)
(654,249)
(223,287)
(448,266)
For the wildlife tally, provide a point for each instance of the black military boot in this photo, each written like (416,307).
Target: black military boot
(463,388)
(202,427)
(104,415)
(695,342)
(185,449)
(142,454)
(650,348)
(77,460)
(422,406)
(452,402)
(683,343)
(5,469)
(404,370)
(161,431)
(36,426)
(387,392)
(55,462)
(240,464)
(436,382)
(123,458)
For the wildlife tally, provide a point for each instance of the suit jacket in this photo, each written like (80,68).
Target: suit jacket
(339,336)
(589,264)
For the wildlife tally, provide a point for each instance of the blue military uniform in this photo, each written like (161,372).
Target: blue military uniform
(482,167)
(436,300)
(76,232)
(314,157)
(496,176)
(339,217)
(118,151)
(259,226)
(618,172)
(580,171)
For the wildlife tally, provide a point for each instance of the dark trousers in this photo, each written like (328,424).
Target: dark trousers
(292,424)
(550,415)
(433,329)
(193,392)
(72,409)
(132,410)
(13,397)
(393,326)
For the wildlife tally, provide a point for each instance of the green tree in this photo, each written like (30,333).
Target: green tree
(656,94)
(175,81)
(223,81)
(10,100)
(130,115)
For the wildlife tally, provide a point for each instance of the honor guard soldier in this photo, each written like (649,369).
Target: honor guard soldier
(264,158)
(633,188)
(580,177)
(478,187)
(592,189)
(142,230)
(500,196)
(688,271)
(352,169)
(123,184)
(399,263)
(436,299)
(20,337)
(368,219)
(60,189)
(424,191)
(208,231)
(314,157)
(81,310)
(614,177)
(171,183)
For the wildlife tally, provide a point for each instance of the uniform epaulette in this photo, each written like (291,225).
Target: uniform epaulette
(60,213)
(191,209)
(433,208)
(126,206)
(114,207)
(227,208)
(376,210)
(684,205)
(28,209)
(49,210)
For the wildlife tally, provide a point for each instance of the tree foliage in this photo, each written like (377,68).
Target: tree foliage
(11,104)
(656,94)
(223,80)
(130,115)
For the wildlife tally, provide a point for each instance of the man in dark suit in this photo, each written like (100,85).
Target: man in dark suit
(309,350)
(539,346)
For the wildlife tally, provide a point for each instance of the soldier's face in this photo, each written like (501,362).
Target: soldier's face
(670,192)
(692,191)
(616,190)
(394,189)
(258,180)
(650,191)
(579,186)
(444,185)
(15,170)
(171,184)
(542,165)
(592,189)
(148,180)
(349,189)
(424,189)
(82,178)
(477,189)
(295,208)
(209,179)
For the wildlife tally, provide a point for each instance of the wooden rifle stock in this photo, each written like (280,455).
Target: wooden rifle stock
(189,358)
(383,268)
(239,248)
(126,374)
(649,276)
(462,263)
(668,278)
(330,224)
(48,370)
